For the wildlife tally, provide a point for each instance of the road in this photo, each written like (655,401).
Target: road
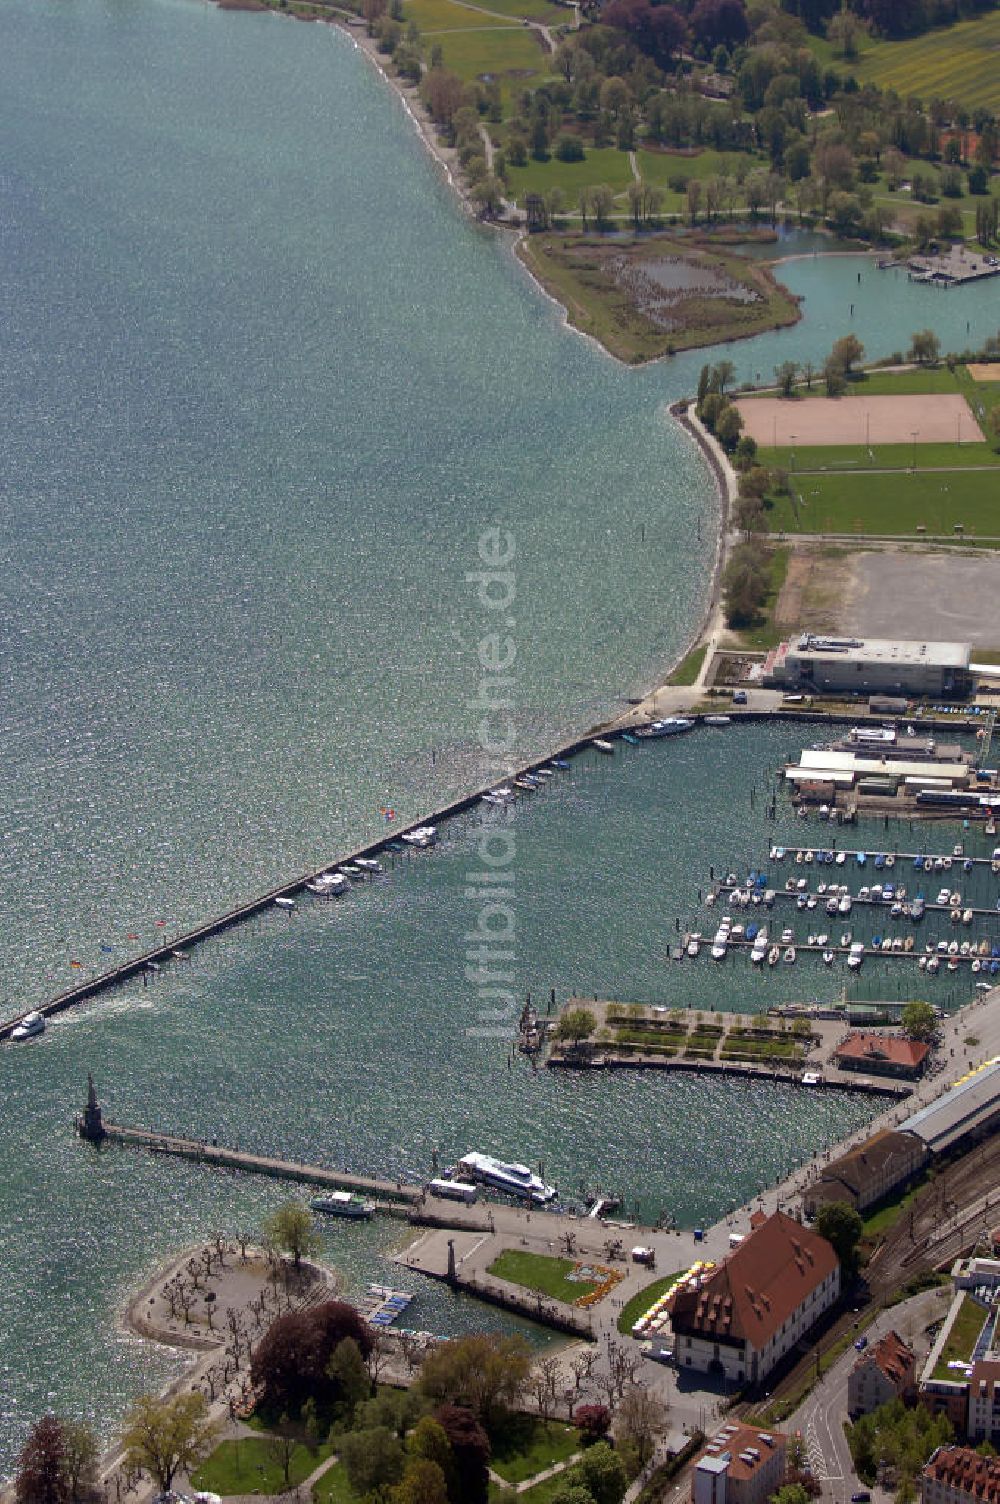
(821,1417)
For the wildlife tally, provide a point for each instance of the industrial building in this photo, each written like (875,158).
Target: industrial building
(872,665)
(963,1114)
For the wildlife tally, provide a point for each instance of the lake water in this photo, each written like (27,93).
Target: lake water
(264,388)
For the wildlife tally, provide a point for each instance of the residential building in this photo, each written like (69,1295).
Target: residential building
(958,1475)
(984,1402)
(882,1055)
(885,1371)
(867,1174)
(741,1318)
(740,1465)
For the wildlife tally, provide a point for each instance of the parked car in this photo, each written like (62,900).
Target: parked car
(861,1344)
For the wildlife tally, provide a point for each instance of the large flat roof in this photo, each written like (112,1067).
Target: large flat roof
(824,762)
(881,650)
(971,1101)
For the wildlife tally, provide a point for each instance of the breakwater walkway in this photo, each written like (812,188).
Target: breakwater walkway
(392,1191)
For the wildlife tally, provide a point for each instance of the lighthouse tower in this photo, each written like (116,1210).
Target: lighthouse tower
(90,1126)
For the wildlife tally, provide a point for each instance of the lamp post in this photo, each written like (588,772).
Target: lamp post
(914,465)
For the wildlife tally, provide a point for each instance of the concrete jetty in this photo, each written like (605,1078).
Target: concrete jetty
(392,1191)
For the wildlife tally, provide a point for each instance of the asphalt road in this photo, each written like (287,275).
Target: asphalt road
(821,1416)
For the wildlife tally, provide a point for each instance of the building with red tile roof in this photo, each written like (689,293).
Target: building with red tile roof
(742,1317)
(740,1465)
(882,1055)
(885,1371)
(958,1475)
(869,1172)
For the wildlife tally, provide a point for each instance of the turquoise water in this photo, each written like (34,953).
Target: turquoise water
(264,388)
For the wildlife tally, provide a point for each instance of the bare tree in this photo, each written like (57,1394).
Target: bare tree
(641,1419)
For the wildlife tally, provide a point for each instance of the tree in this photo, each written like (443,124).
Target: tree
(785,376)
(281,1444)
(925,347)
(423,1482)
(80,1454)
(349,1375)
(428,1441)
(592,1421)
(602,201)
(470,1449)
(572,1492)
(725,374)
(485,1372)
(291,1362)
(641,1419)
(728,427)
(745,584)
(163,1437)
(373,1459)
(848,351)
(791,1493)
(833,375)
(602,1473)
(919,1021)
(291,1229)
(396,1409)
(41,1466)
(842,1227)
(576,1025)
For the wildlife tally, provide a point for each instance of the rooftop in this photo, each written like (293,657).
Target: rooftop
(891,1049)
(882,650)
(869,1161)
(891,1355)
(739,1450)
(969,1104)
(752,1293)
(962,1468)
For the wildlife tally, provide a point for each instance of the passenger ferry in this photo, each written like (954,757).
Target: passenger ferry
(343,1204)
(515,1179)
(30,1025)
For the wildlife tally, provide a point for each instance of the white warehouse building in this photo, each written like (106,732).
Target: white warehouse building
(871,665)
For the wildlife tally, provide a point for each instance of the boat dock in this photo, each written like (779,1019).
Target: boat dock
(877,902)
(954,863)
(391,1191)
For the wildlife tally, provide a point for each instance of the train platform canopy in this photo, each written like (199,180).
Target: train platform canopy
(968,1107)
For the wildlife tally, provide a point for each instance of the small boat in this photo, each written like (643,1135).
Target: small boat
(329,884)
(828,958)
(421,838)
(918,863)
(369,864)
(908,943)
(846,904)
(833,905)
(773,956)
(946,863)
(856,955)
(846,938)
(343,1204)
(840,858)
(789,955)
(809,856)
(285,903)
(543,773)
(718,720)
(890,859)
(602,744)
(787,936)
(922,963)
(860,857)
(933,966)
(879,861)
(955,899)
(759,948)
(525,785)
(31,1024)
(350,869)
(811,901)
(958,849)
(628,736)
(694,944)
(977,965)
(967,916)
(822,939)
(560,764)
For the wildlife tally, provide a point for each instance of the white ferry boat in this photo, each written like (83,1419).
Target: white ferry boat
(515,1179)
(343,1204)
(30,1025)
(670,725)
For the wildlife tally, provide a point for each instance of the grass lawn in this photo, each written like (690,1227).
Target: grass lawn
(542,1492)
(446,15)
(962,1338)
(333,1487)
(247,1464)
(541,1272)
(689,667)
(862,503)
(641,1302)
(858,457)
(658,167)
(528,1446)
(512,55)
(531,10)
(885,1217)
(601,165)
(953,62)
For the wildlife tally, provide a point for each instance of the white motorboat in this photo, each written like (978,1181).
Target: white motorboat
(828,958)
(343,1204)
(285,903)
(694,944)
(422,837)
(516,1179)
(602,744)
(369,864)
(329,884)
(31,1024)
(670,725)
(774,955)
(856,955)
(789,955)
(759,948)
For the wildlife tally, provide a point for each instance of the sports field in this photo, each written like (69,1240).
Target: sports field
(906,503)
(918,418)
(980,372)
